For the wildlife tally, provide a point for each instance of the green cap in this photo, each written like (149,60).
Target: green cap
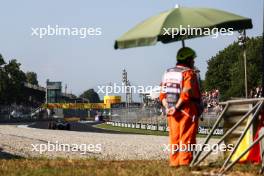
(185,53)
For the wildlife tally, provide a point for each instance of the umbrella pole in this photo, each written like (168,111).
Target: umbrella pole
(183,43)
(245,65)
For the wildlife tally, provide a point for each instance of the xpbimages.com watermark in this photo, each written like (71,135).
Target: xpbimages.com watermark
(181,147)
(193,31)
(81,32)
(57,147)
(123,89)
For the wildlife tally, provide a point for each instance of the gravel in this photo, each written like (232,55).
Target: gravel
(26,142)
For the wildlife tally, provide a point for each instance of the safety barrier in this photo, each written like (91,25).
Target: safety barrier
(156,127)
(152,127)
(240,119)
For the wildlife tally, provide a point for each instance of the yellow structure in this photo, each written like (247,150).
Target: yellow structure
(244,144)
(75,106)
(108,100)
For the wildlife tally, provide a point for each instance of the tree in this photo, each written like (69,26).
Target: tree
(91,95)
(12,79)
(11,82)
(15,82)
(226,69)
(32,78)
(2,61)
(3,81)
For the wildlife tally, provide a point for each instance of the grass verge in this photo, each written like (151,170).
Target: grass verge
(140,131)
(131,130)
(68,167)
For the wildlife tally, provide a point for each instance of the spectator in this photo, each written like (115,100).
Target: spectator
(211,100)
(256,92)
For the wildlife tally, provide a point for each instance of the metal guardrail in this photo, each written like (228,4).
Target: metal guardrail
(151,116)
(257,107)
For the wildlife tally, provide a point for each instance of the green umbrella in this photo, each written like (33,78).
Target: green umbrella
(166,27)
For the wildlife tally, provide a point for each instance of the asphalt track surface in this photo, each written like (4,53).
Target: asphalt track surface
(80,127)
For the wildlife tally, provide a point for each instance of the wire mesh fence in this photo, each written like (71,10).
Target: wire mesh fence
(154,116)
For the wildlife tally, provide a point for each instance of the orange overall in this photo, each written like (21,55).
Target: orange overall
(183,124)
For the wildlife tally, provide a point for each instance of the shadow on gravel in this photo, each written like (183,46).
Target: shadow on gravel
(5,155)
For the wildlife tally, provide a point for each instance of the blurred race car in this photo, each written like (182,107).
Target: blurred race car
(60,124)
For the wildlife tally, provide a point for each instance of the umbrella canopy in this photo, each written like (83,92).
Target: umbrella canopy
(161,27)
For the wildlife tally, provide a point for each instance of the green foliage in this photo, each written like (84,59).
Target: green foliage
(97,167)
(11,82)
(2,61)
(91,95)
(226,69)
(202,85)
(32,78)
(3,81)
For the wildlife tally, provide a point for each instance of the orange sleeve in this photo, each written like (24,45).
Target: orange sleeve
(162,93)
(190,87)
(162,96)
